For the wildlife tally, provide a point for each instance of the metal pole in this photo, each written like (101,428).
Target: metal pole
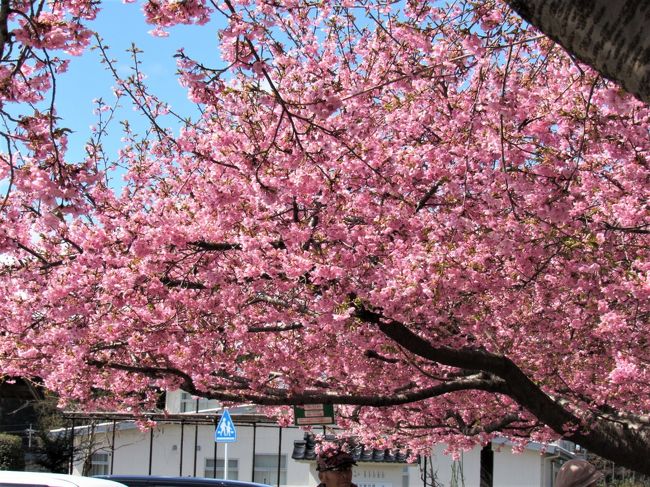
(113,447)
(225,461)
(254,439)
(214,458)
(279,453)
(196,437)
(71,448)
(424,476)
(150,449)
(180,463)
(225,456)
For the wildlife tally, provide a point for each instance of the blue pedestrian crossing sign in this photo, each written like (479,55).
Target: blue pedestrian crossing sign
(225,432)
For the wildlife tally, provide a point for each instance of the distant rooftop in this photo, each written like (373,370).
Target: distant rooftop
(306,450)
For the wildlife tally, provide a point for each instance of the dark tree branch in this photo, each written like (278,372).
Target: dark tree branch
(4,29)
(640,229)
(214,246)
(182,283)
(280,397)
(427,196)
(375,355)
(274,328)
(616,441)
(225,246)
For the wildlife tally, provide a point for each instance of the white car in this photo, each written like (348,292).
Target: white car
(43,479)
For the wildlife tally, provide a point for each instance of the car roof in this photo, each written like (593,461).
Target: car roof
(139,480)
(46,479)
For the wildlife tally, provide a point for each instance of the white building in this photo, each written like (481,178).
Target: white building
(536,466)
(182,444)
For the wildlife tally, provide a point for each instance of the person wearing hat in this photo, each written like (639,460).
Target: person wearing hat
(335,469)
(577,473)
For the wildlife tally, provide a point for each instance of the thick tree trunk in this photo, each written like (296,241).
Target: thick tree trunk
(612,36)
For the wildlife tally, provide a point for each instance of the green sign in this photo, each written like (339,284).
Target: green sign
(313,414)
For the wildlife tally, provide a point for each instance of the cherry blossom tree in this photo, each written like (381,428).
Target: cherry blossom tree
(425,213)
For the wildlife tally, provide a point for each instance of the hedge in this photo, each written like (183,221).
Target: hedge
(11,452)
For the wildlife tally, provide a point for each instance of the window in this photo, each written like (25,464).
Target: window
(233,469)
(266,469)
(99,464)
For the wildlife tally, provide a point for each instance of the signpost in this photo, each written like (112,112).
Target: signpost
(313,414)
(225,433)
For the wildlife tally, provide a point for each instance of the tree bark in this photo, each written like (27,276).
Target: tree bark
(611,36)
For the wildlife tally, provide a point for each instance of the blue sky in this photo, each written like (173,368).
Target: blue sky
(120,25)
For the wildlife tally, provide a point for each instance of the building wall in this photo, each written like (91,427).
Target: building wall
(517,469)
(131,455)
(464,471)
(385,475)
(529,468)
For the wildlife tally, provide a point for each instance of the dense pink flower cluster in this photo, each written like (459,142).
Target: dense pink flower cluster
(358,169)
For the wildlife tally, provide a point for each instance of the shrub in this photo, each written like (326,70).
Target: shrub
(11,452)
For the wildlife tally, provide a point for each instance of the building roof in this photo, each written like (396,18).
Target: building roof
(306,450)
